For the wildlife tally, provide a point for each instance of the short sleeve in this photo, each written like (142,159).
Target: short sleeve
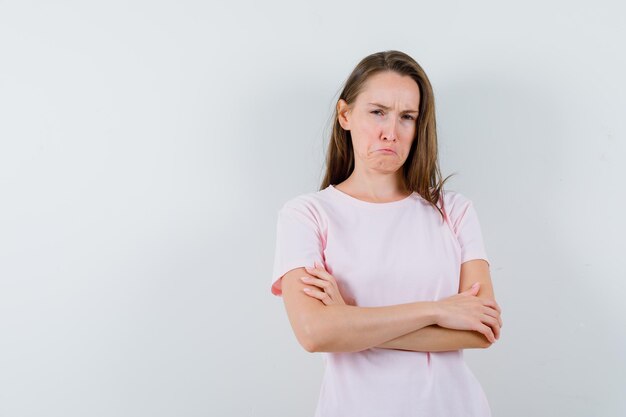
(298,241)
(466,226)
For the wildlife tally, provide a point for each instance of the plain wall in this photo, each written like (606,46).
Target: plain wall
(146,146)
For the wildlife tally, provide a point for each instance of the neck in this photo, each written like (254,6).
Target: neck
(376,186)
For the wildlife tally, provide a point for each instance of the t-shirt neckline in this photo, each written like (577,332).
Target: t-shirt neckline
(363,203)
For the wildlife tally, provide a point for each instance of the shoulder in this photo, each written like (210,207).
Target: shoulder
(453,200)
(456,206)
(304,201)
(311,206)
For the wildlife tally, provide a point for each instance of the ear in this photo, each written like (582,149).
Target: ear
(343,114)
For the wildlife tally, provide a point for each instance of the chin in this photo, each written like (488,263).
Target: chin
(386,169)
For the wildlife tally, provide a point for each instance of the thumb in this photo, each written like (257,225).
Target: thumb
(473,290)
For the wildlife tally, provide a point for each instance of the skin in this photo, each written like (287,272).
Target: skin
(319,315)
(437,337)
(377,175)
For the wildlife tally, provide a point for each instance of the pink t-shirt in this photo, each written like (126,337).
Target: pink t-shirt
(383,254)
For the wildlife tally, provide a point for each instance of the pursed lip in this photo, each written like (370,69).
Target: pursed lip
(386,149)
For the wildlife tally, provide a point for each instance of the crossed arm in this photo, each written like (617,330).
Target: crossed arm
(435,338)
(342,328)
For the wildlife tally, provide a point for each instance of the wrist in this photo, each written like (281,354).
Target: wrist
(434,311)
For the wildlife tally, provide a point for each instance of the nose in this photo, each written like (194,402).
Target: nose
(390,132)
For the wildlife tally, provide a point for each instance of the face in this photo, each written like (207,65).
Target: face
(382,121)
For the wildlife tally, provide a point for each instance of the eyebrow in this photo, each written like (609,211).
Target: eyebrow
(388,108)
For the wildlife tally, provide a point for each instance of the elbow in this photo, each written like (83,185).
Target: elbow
(311,335)
(307,341)
(310,346)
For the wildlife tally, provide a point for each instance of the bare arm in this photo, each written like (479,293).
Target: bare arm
(346,328)
(438,339)
(322,322)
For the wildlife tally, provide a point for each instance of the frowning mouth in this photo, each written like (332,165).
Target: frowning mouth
(385,151)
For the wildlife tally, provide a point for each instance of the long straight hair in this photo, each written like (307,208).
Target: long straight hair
(421,169)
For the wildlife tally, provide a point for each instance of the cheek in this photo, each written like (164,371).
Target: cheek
(368,132)
(409,132)
(364,136)
(365,143)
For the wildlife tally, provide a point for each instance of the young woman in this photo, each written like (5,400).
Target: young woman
(382,269)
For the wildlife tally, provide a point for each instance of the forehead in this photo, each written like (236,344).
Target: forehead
(388,88)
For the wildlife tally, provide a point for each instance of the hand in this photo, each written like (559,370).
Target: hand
(329,293)
(466,311)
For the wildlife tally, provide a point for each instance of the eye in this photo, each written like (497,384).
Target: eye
(376,112)
(410,117)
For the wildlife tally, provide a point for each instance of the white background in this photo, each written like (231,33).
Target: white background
(146,146)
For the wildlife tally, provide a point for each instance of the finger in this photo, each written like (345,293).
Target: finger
(489,302)
(320,295)
(495,327)
(500,319)
(317,282)
(310,270)
(494,312)
(491,312)
(329,288)
(486,330)
(492,304)
(323,274)
(473,290)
